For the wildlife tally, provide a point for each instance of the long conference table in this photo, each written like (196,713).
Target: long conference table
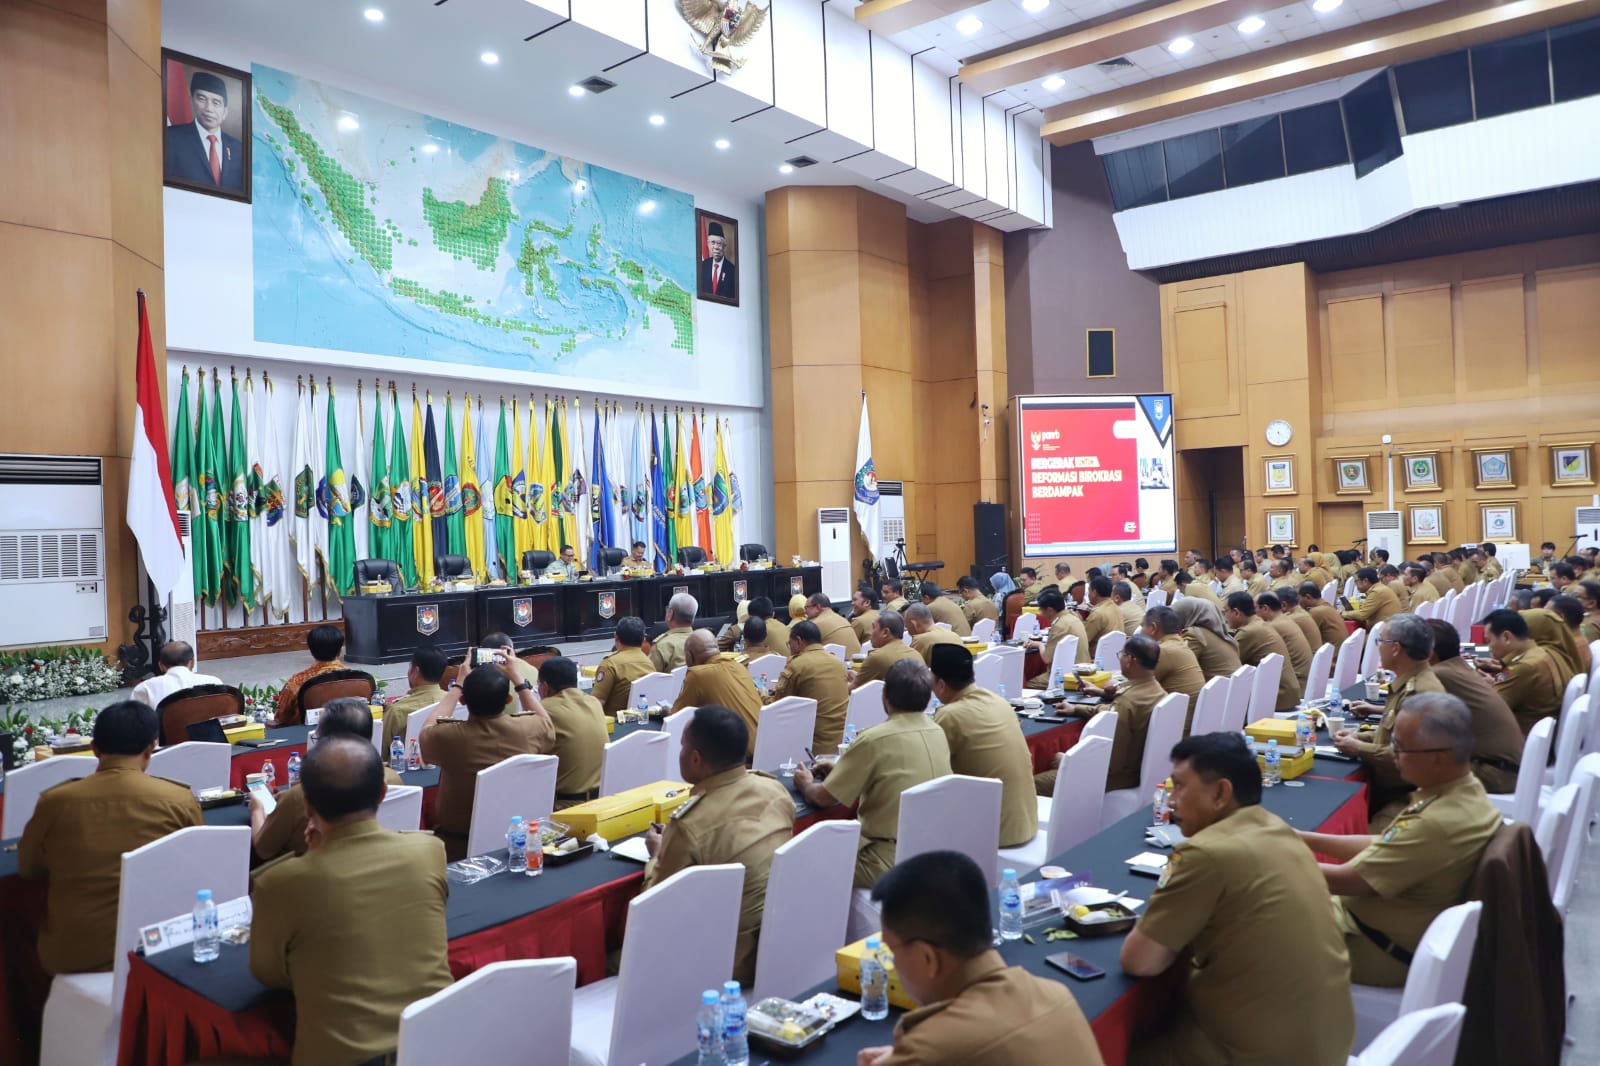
(388,628)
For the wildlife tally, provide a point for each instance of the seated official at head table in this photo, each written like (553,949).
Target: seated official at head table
(174,673)
(565,567)
(325,644)
(354,928)
(973,1009)
(80,829)
(1388,888)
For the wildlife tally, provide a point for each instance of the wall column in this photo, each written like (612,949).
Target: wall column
(80,233)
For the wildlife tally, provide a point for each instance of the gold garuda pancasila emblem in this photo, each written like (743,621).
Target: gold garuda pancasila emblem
(722,27)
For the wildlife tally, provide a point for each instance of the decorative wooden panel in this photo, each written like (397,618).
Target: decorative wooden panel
(1422,341)
(1356,372)
(1494,342)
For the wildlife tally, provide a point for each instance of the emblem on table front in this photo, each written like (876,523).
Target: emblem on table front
(797,586)
(741,591)
(722,26)
(522,611)
(608,605)
(428,619)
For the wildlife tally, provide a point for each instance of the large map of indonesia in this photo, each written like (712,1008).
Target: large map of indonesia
(384,231)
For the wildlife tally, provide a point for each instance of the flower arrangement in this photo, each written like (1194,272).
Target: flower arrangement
(49,673)
(28,732)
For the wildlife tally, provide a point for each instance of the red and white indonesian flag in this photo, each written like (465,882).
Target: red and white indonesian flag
(151,514)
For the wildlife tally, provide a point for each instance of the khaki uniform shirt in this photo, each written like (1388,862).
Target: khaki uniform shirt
(1318,575)
(613,680)
(735,816)
(1591,625)
(1258,584)
(1299,650)
(816,674)
(862,624)
(1201,590)
(1388,786)
(1377,604)
(1168,585)
(1491,570)
(1468,572)
(1287,581)
(1103,619)
(1065,625)
(945,610)
(777,640)
(1422,592)
(1531,685)
(284,830)
(1257,640)
(1418,867)
(836,630)
(1232,585)
(922,643)
(580,741)
(977,609)
(356,931)
(1005,1017)
(75,840)
(1329,624)
(986,741)
(878,661)
(1179,671)
(724,682)
(1495,732)
(1453,576)
(666,651)
(1401,593)
(1236,885)
(1132,706)
(1551,632)
(898,605)
(1216,656)
(903,751)
(1132,617)
(462,747)
(396,713)
(1308,627)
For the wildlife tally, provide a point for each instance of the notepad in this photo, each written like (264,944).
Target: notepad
(633,848)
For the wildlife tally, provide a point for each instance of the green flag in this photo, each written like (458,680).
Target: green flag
(505,526)
(183,494)
(672,490)
(341,523)
(455,523)
(208,460)
(379,494)
(240,581)
(400,509)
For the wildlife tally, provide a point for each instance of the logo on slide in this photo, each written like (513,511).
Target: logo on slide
(1158,412)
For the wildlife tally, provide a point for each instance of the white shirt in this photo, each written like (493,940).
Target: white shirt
(177,678)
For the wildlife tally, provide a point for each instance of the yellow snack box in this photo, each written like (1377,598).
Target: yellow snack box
(848,960)
(248,731)
(625,813)
(1280,729)
(1289,767)
(1100,678)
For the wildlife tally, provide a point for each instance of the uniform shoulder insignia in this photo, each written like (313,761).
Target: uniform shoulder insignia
(766,774)
(684,808)
(170,781)
(600,674)
(1166,871)
(1399,824)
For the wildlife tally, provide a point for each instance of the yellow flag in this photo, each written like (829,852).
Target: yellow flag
(422,529)
(550,528)
(721,498)
(472,505)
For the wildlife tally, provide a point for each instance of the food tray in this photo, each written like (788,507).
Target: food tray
(1122,921)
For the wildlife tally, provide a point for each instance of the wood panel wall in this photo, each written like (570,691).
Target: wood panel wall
(80,233)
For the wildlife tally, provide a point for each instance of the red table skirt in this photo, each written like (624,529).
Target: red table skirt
(1135,1012)
(1349,820)
(252,761)
(1351,627)
(165,1024)
(1044,746)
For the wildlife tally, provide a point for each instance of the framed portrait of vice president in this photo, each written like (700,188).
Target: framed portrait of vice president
(206,126)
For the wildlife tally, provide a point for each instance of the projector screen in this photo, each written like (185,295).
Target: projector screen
(1096,474)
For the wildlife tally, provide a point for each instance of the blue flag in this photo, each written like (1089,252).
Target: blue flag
(658,499)
(604,514)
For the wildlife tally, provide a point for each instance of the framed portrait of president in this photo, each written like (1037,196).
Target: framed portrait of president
(205,126)
(717,257)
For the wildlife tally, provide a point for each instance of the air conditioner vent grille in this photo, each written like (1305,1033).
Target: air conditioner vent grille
(49,556)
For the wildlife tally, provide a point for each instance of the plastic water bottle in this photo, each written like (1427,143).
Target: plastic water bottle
(643,708)
(294,768)
(1305,732)
(1333,697)
(414,757)
(1274,774)
(738,646)
(397,755)
(735,1033)
(1160,809)
(535,849)
(708,1030)
(206,939)
(517,846)
(269,770)
(1003,694)
(874,982)
(1055,679)
(849,736)
(1010,906)
(762,685)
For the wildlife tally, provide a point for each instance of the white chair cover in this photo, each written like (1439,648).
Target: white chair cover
(1237,715)
(25,783)
(988,672)
(1424,1038)
(401,809)
(657,688)
(1321,668)
(634,760)
(838,652)
(1166,729)
(954,813)
(1347,664)
(414,722)
(983,630)
(1369,651)
(1330,593)
(1438,974)
(1027,625)
(1576,686)
(1109,649)
(1572,733)
(785,732)
(679,942)
(1426,610)
(1523,804)
(1211,707)
(1554,816)
(478,1007)
(199,764)
(1012,662)
(1350,589)
(1461,615)
(1564,879)
(672,726)
(1074,813)
(1155,598)
(807,905)
(768,666)
(866,705)
(522,784)
(1264,688)
(1103,724)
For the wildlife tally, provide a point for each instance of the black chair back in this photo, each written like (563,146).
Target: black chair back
(691,555)
(449,566)
(751,553)
(371,571)
(612,557)
(537,561)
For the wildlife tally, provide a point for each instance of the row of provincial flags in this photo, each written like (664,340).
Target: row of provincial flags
(266,524)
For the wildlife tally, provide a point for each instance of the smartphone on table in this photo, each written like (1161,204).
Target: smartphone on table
(1074,966)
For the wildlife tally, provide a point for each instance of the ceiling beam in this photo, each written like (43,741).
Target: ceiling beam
(1417,34)
(892,16)
(1152,27)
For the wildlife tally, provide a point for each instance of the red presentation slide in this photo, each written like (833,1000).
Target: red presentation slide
(1080,481)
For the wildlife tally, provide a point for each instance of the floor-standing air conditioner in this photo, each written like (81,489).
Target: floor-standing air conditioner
(1586,526)
(833,551)
(52,550)
(892,509)
(1384,531)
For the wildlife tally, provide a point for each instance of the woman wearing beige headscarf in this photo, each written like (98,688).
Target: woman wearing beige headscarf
(1208,637)
(797,608)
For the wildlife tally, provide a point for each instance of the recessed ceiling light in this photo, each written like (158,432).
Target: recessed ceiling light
(969,25)
(1053,82)
(348,123)
(489,59)
(722,143)
(786,169)
(575,90)
(658,120)
(1253,24)
(1322,7)
(648,207)
(430,148)
(1033,7)
(373,14)
(1180,46)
